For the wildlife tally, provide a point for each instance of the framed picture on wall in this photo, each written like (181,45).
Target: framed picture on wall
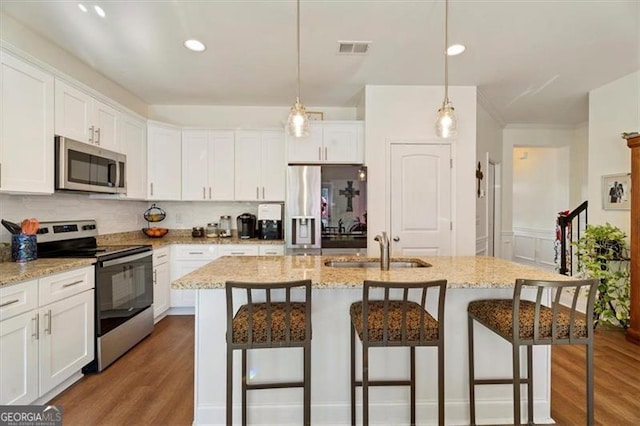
(616,192)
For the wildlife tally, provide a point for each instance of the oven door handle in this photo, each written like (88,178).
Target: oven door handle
(126,259)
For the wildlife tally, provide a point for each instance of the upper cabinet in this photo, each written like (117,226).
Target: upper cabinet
(163,162)
(207,165)
(80,116)
(133,144)
(328,142)
(259,165)
(26,127)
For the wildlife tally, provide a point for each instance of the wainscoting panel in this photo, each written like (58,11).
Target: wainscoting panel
(534,247)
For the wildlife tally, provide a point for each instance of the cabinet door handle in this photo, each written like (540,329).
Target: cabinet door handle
(325,154)
(160,256)
(237,253)
(36,328)
(91,137)
(209,192)
(196,252)
(73,283)
(270,252)
(48,318)
(155,277)
(204,191)
(257,193)
(98,134)
(10,302)
(151,188)
(263,192)
(0,175)
(319,154)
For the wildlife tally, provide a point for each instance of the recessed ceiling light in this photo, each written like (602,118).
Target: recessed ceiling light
(195,45)
(82,7)
(99,11)
(456,49)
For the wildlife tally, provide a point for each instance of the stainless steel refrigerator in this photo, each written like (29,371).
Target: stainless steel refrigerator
(303,227)
(326,210)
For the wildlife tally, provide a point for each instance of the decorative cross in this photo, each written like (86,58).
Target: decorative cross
(350,192)
(479,176)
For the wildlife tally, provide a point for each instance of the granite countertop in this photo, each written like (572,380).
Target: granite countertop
(179,236)
(12,272)
(461,272)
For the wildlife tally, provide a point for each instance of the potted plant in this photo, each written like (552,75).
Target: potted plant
(603,253)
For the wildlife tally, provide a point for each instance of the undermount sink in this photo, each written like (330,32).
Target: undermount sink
(375,264)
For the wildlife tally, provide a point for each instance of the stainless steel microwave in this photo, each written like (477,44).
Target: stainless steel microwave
(87,168)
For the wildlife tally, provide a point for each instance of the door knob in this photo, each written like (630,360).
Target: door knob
(396,239)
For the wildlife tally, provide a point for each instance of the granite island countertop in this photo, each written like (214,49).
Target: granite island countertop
(459,271)
(12,272)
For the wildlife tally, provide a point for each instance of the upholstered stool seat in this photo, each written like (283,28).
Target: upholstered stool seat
(396,321)
(536,324)
(269,324)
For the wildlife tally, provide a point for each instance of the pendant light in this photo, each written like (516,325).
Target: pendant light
(446,122)
(298,122)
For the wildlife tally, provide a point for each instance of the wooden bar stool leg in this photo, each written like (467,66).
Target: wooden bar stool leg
(530,384)
(307,385)
(244,387)
(472,389)
(589,349)
(516,384)
(353,376)
(365,385)
(229,386)
(412,351)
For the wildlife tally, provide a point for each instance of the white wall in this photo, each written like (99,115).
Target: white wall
(579,166)
(529,136)
(408,113)
(14,35)
(489,146)
(613,109)
(234,117)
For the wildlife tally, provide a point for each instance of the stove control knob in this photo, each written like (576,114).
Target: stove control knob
(42,231)
(88,227)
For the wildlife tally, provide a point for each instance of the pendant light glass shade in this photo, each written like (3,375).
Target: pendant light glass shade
(446,122)
(298,122)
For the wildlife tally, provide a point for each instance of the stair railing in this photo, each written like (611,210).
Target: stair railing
(565,235)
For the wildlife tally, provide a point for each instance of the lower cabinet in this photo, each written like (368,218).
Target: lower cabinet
(45,338)
(161,282)
(186,258)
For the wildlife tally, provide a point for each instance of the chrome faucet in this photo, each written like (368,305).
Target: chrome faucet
(384,250)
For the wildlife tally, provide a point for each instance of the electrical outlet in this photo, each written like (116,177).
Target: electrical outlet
(178,218)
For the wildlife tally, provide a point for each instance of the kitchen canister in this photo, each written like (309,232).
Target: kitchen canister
(24,248)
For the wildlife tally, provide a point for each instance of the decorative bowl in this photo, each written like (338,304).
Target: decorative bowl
(155,232)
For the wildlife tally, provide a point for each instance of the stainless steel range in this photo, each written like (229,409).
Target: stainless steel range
(124,285)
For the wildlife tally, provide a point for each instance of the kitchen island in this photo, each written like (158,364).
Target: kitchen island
(334,289)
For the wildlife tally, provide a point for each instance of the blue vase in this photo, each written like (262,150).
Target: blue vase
(24,248)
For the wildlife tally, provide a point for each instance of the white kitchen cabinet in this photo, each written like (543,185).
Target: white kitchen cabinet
(259,165)
(271,250)
(239,250)
(66,339)
(207,165)
(186,258)
(329,142)
(80,116)
(133,144)
(163,162)
(47,331)
(161,282)
(26,127)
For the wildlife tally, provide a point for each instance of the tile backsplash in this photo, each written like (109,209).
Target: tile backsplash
(115,215)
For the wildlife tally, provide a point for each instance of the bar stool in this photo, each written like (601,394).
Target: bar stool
(537,325)
(268,324)
(393,322)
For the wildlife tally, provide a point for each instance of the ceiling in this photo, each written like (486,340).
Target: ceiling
(532,61)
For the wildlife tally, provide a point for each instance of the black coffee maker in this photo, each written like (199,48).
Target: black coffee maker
(246,226)
(270,221)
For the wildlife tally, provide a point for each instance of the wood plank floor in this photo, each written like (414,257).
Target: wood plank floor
(153,383)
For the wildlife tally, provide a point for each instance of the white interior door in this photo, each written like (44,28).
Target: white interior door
(421,200)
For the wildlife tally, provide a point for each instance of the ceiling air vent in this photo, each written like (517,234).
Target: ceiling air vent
(353,47)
